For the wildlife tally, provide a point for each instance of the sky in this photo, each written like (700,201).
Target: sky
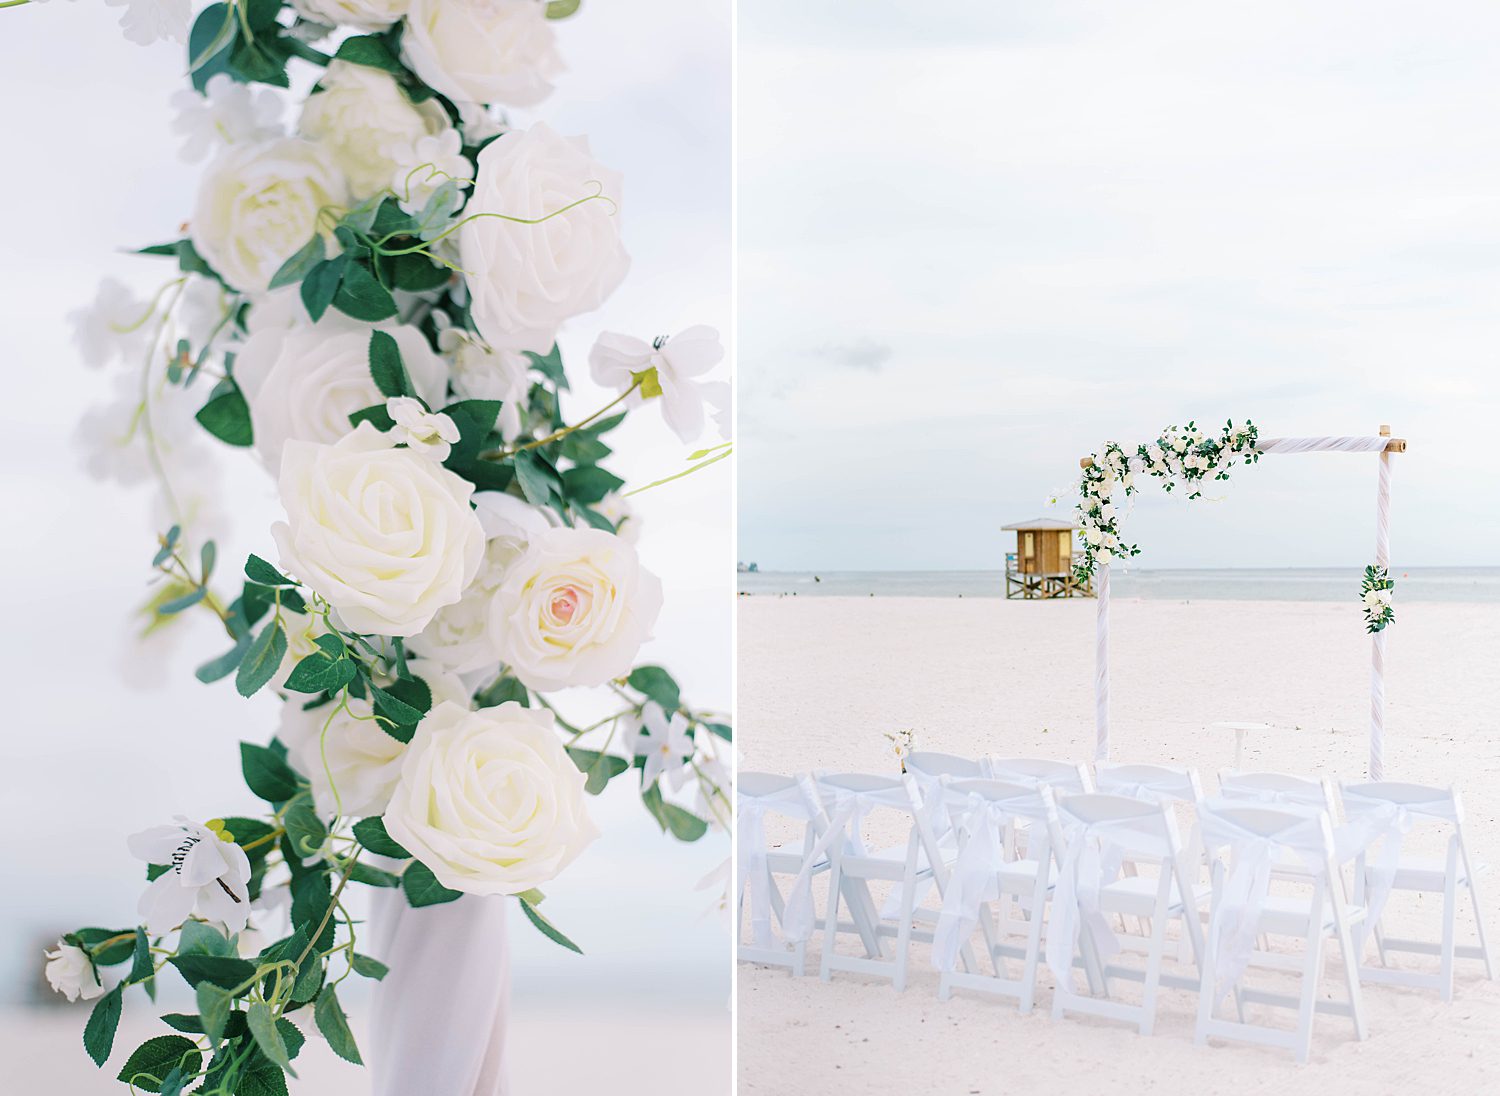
(90,756)
(977,240)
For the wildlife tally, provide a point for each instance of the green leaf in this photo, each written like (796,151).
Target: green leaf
(589,483)
(208,44)
(322,284)
(224,665)
(504,690)
(374,877)
(301,264)
(366,967)
(550,365)
(546,927)
(201,938)
(561,9)
(600,767)
(150,1062)
(723,730)
(304,828)
(376,415)
(371,833)
(386,368)
(312,894)
(186,601)
(418,274)
(682,824)
(99,1032)
(171,1084)
(334,1025)
(267,1035)
(657,684)
(262,660)
(258,570)
(361,296)
(214,1006)
(401,706)
(226,415)
(371,50)
(120,947)
(222,970)
(318,673)
(536,483)
(267,775)
(422,887)
(141,967)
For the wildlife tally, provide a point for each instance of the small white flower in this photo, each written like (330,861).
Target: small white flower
(669,367)
(228,112)
(147,21)
(425,165)
(721,882)
(70,973)
(480,373)
(621,515)
(714,787)
(665,745)
(480,122)
(430,433)
(207,873)
(112,327)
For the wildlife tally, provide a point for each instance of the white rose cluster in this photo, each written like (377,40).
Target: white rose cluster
(489,800)
(385,535)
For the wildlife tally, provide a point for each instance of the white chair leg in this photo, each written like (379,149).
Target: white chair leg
(1310,971)
(1154,954)
(1450,912)
(1206,978)
(1484,945)
(903,934)
(831,923)
(1350,960)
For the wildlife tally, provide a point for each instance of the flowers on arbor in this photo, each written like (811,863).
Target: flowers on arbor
(1375,592)
(902,743)
(669,368)
(371,306)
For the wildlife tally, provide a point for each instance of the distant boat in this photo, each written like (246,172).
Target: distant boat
(747,568)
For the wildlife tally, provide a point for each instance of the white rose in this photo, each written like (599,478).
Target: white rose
(480,373)
(258,205)
(574,609)
(70,973)
(483,51)
(303,383)
(354,764)
(1093,537)
(460,636)
(526,279)
(490,800)
(385,535)
(368,123)
(361,14)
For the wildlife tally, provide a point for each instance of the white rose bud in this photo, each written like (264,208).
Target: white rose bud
(303,383)
(526,279)
(368,123)
(512,814)
(385,535)
(430,433)
(574,609)
(70,973)
(483,51)
(258,205)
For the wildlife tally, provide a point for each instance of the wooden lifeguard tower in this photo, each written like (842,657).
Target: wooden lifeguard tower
(1042,564)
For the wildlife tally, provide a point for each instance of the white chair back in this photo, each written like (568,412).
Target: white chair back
(1063,777)
(926,763)
(1160,783)
(1279,789)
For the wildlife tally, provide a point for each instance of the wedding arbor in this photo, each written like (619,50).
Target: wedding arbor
(1381,444)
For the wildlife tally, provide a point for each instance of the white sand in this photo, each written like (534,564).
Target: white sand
(821,678)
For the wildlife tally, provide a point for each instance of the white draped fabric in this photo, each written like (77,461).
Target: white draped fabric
(845,820)
(1373,815)
(441,1013)
(974,878)
(752,866)
(1239,903)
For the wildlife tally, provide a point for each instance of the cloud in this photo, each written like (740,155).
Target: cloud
(862,353)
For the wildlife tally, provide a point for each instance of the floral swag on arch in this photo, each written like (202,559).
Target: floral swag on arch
(368,304)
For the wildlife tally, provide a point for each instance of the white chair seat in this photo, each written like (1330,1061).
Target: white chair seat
(1423,873)
(1136,895)
(1288,915)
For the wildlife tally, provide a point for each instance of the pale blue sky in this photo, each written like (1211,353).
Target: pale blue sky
(978,239)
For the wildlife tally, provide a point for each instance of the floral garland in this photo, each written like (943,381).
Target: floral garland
(374,297)
(1375,592)
(902,743)
(1186,458)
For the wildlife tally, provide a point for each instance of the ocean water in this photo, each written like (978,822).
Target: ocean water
(1229,584)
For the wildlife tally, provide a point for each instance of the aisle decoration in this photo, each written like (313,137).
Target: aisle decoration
(367,304)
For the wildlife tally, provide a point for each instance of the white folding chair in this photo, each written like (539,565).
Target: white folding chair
(1254,838)
(757,795)
(1391,810)
(1063,777)
(1096,833)
(846,800)
(1279,789)
(927,764)
(979,812)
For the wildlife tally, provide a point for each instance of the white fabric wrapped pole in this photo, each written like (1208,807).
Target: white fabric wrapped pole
(1101,666)
(1377,641)
(1323,445)
(441,1014)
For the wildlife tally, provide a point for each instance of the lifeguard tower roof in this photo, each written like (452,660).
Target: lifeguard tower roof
(1039,523)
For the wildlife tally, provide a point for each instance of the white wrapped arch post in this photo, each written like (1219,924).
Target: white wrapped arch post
(1384,445)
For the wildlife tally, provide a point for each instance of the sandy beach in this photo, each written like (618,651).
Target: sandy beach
(821,678)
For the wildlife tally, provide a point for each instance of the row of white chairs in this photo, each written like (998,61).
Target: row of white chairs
(1040,862)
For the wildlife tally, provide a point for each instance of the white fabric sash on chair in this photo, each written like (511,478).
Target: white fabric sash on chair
(752,866)
(974,878)
(1238,906)
(1372,816)
(849,808)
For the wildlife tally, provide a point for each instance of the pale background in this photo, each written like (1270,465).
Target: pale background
(978,239)
(91,168)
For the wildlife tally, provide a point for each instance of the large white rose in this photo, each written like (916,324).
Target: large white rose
(368,123)
(574,609)
(304,382)
(258,205)
(489,800)
(362,14)
(483,51)
(460,635)
(385,535)
(526,279)
(355,758)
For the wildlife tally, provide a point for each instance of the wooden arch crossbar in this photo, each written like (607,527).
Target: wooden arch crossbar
(1384,445)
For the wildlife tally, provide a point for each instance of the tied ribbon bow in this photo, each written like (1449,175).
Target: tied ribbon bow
(1372,818)
(753,867)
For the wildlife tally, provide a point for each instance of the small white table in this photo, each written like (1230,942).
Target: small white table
(1239,730)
